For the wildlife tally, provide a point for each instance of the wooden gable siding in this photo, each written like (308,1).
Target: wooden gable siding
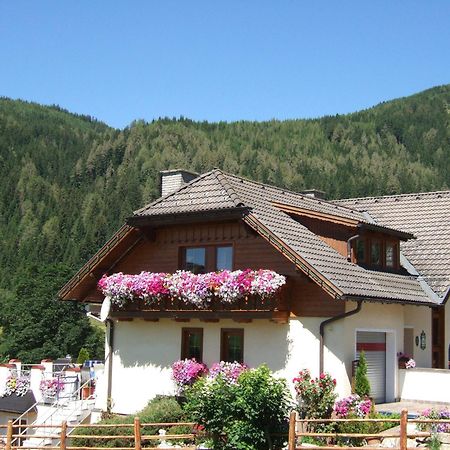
(333,234)
(160,252)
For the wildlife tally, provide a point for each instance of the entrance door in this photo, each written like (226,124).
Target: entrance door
(438,338)
(373,343)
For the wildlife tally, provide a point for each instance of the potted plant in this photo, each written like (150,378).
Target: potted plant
(50,388)
(87,391)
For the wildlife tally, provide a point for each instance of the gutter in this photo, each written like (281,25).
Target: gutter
(110,362)
(328,321)
(349,246)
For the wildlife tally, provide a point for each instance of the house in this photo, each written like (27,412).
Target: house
(348,289)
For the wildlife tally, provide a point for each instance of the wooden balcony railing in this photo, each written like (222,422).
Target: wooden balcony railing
(248,308)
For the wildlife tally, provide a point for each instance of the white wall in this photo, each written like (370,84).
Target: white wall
(419,318)
(145,351)
(340,339)
(430,385)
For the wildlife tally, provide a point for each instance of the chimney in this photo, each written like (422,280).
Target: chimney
(172,180)
(314,193)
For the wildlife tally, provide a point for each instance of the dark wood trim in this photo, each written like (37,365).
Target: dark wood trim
(207,315)
(316,214)
(438,347)
(228,214)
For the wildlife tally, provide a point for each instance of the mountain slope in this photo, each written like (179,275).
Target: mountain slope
(67,181)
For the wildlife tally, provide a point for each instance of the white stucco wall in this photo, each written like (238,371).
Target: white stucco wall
(144,351)
(419,318)
(430,385)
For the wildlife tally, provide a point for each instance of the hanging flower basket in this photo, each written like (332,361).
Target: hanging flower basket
(18,385)
(196,290)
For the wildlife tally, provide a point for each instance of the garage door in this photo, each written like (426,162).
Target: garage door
(374,346)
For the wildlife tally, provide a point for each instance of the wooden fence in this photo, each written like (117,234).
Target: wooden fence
(63,433)
(298,428)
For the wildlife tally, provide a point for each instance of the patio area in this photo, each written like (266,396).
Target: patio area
(414,408)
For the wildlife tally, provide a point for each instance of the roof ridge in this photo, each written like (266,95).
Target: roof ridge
(411,194)
(221,178)
(303,196)
(170,194)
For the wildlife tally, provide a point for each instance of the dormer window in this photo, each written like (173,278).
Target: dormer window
(391,255)
(375,253)
(361,250)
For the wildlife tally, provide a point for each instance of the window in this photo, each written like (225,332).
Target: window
(360,250)
(195,259)
(375,253)
(224,258)
(207,259)
(192,343)
(391,254)
(232,345)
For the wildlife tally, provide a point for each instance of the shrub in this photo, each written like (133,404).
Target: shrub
(317,397)
(362,385)
(83,355)
(432,413)
(159,410)
(241,415)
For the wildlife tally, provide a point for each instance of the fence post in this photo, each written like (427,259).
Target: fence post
(292,423)
(9,433)
(62,439)
(137,434)
(403,429)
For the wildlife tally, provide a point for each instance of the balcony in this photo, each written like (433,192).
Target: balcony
(242,310)
(242,295)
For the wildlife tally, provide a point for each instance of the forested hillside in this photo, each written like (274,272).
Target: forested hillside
(67,182)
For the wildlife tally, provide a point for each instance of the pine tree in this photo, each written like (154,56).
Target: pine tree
(362,385)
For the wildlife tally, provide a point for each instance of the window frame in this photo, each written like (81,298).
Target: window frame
(185,331)
(210,255)
(394,245)
(381,255)
(224,350)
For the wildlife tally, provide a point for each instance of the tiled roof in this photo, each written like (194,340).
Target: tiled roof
(218,190)
(427,215)
(202,194)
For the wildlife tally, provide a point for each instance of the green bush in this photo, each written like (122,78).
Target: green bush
(159,410)
(83,355)
(249,414)
(317,396)
(362,385)
(363,428)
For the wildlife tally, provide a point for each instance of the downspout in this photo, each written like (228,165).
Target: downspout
(110,361)
(326,322)
(349,246)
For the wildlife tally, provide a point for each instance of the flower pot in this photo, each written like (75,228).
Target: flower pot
(87,392)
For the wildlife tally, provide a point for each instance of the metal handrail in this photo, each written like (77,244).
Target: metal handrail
(75,394)
(52,404)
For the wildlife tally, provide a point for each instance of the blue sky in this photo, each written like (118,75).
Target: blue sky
(234,60)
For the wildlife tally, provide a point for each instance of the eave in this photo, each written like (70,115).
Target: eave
(115,248)
(188,217)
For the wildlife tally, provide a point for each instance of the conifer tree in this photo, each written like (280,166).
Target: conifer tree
(362,384)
